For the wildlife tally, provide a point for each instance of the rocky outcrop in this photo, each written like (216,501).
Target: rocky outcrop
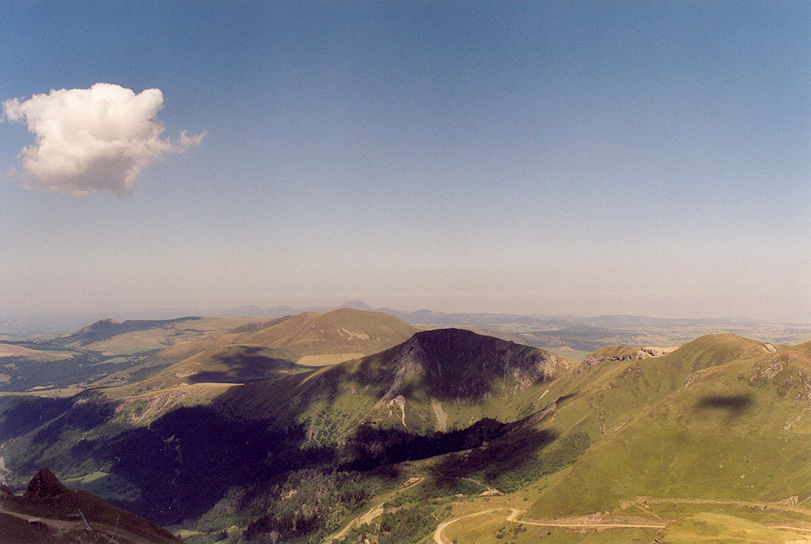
(44,485)
(627,353)
(50,512)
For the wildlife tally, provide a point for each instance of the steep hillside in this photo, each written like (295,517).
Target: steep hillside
(50,512)
(706,421)
(436,381)
(710,443)
(454,364)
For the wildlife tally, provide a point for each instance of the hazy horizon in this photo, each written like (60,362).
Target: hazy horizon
(539,158)
(85,317)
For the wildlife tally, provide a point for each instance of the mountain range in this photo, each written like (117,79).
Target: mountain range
(354,426)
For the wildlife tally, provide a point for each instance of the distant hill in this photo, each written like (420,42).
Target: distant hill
(282,346)
(111,337)
(23,352)
(109,353)
(575,334)
(343,333)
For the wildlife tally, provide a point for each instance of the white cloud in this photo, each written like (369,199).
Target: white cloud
(93,139)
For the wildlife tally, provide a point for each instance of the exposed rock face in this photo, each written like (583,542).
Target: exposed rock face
(44,485)
(627,353)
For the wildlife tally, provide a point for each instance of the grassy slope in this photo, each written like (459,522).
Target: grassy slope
(389,390)
(707,421)
(12,350)
(339,331)
(137,336)
(255,349)
(717,428)
(267,350)
(725,529)
(234,363)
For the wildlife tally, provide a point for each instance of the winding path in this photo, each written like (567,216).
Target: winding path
(440,538)
(58,525)
(373,512)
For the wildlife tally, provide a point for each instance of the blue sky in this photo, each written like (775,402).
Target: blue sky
(536,157)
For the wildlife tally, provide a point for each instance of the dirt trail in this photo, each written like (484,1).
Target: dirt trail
(373,512)
(789,528)
(746,504)
(61,526)
(593,525)
(440,538)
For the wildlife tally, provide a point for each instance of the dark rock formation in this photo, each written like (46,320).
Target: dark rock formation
(44,485)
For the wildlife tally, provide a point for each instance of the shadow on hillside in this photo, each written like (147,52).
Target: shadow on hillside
(25,374)
(453,364)
(244,363)
(735,405)
(371,447)
(106,329)
(88,410)
(53,424)
(502,455)
(502,463)
(19,415)
(186,461)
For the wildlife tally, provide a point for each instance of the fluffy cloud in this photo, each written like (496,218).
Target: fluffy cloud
(93,139)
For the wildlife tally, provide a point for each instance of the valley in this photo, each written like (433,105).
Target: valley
(258,430)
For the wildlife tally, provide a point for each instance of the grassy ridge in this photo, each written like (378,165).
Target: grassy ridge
(707,421)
